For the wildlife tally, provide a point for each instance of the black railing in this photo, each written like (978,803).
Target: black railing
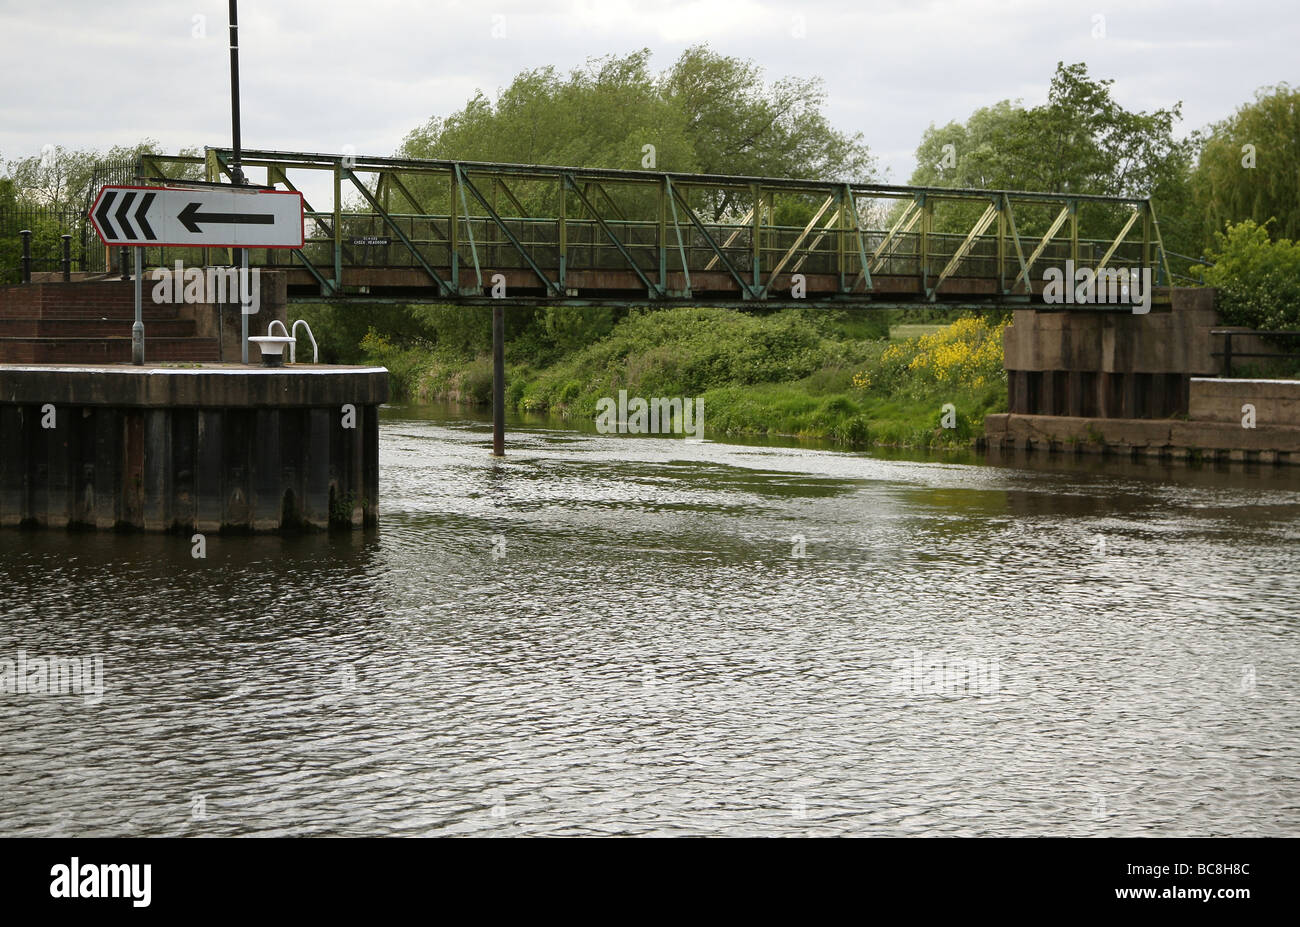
(1229,355)
(34,239)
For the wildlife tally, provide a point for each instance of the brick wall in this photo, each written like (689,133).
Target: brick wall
(90,322)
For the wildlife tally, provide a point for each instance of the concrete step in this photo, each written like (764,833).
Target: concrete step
(106,350)
(90,310)
(93,328)
(109,300)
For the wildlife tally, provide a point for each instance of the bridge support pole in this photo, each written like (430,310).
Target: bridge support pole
(498,381)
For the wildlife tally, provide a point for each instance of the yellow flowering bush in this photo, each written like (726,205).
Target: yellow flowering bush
(967,353)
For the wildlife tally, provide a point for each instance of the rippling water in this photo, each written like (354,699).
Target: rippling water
(615,635)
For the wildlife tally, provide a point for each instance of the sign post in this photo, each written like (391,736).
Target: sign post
(137,330)
(245,287)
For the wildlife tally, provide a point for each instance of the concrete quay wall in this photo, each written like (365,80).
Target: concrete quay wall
(206,449)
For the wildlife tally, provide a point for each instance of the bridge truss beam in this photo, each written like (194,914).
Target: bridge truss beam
(575,236)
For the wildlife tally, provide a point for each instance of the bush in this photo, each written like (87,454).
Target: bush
(686,352)
(341,330)
(784,372)
(1258,279)
(476,382)
(966,355)
(406,364)
(460,330)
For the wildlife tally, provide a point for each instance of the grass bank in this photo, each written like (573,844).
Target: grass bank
(834,375)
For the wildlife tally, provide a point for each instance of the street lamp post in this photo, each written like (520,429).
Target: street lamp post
(237,170)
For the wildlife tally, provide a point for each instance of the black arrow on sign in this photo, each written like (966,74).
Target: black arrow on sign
(122,222)
(140,220)
(102,214)
(191,217)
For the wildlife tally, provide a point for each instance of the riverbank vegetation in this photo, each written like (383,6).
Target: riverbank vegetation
(829,374)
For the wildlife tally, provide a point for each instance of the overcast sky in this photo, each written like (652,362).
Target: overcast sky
(323,74)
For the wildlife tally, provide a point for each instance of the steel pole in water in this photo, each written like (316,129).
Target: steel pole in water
(137,330)
(498,381)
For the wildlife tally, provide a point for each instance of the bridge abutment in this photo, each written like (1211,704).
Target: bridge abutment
(1142,385)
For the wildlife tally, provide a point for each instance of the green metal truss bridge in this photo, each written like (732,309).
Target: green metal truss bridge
(467,232)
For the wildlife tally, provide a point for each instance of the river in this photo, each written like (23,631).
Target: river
(626,635)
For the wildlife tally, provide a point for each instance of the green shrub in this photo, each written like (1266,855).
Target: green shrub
(1258,279)
(341,329)
(406,364)
(476,382)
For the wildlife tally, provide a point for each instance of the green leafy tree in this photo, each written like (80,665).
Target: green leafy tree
(65,179)
(1249,166)
(51,193)
(708,113)
(600,115)
(1080,141)
(737,123)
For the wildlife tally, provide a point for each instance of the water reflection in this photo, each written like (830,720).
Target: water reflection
(603,634)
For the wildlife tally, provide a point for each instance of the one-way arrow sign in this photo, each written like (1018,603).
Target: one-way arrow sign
(197,217)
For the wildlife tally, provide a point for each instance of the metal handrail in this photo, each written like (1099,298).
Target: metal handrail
(293,346)
(1228,354)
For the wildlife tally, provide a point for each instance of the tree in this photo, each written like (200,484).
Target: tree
(708,113)
(60,178)
(1080,141)
(1248,166)
(739,124)
(599,116)
(602,115)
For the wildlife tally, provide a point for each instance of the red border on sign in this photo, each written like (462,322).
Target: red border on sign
(302,229)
